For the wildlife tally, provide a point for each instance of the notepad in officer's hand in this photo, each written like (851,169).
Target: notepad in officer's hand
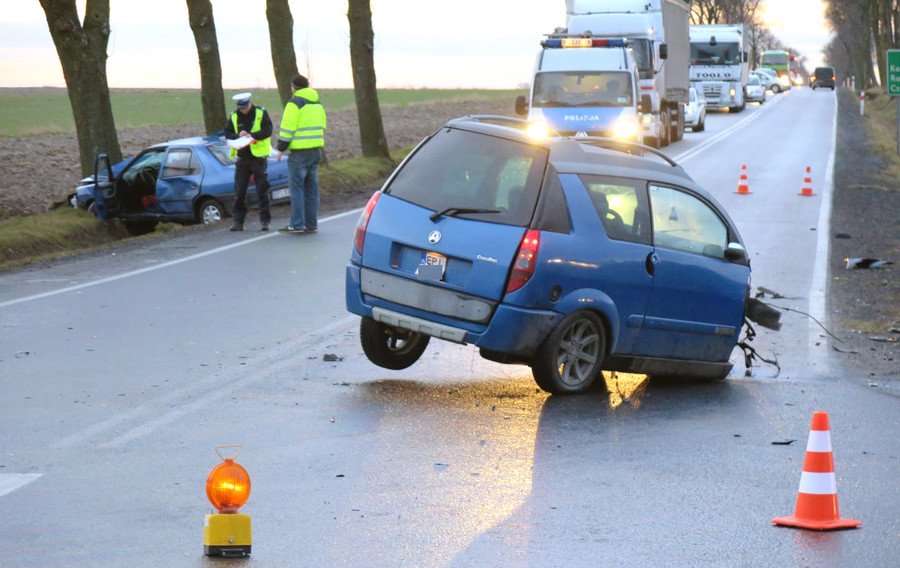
(239,143)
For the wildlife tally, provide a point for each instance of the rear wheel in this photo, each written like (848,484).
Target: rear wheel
(210,211)
(390,347)
(571,357)
(776,88)
(701,126)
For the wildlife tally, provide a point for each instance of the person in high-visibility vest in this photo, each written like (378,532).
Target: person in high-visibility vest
(250,122)
(302,133)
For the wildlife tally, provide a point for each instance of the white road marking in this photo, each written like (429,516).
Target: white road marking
(157,266)
(9,482)
(202,393)
(696,150)
(820,268)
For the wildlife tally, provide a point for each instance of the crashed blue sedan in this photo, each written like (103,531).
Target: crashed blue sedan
(183,181)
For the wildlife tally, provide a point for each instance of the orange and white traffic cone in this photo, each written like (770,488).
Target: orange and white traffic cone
(743,187)
(807,191)
(817,504)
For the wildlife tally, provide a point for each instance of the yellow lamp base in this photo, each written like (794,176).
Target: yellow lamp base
(226,535)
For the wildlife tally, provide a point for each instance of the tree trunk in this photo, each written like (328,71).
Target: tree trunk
(200,13)
(82,54)
(362,47)
(281,39)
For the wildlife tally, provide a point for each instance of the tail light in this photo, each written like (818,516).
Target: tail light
(359,236)
(832,77)
(526,260)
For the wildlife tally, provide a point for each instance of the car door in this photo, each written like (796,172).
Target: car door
(611,216)
(696,304)
(179,181)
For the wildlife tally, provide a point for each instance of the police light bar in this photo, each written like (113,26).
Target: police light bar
(576,42)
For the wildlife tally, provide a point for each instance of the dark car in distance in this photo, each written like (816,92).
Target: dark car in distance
(822,77)
(190,180)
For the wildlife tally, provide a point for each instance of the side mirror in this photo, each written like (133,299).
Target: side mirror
(646,104)
(521,105)
(735,252)
(663,51)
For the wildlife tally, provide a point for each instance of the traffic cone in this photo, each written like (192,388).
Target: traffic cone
(807,185)
(817,504)
(743,185)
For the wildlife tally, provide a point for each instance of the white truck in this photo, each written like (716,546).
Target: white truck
(719,68)
(657,31)
(586,87)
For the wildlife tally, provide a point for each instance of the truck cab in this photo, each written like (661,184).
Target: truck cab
(587,87)
(719,67)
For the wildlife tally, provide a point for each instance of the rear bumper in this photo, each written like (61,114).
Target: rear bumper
(510,329)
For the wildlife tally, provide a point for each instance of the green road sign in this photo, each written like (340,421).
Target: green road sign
(893,74)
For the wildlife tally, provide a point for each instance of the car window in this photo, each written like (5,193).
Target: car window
(553,212)
(459,169)
(621,204)
(754,80)
(683,222)
(221,153)
(150,161)
(180,162)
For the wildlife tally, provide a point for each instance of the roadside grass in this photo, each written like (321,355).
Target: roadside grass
(881,122)
(47,111)
(65,231)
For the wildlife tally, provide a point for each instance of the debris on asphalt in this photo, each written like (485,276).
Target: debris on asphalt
(20,354)
(865,263)
(762,291)
(875,385)
(842,236)
(783,442)
(839,350)
(331,357)
(883,339)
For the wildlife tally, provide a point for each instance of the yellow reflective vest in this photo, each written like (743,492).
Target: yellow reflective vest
(303,123)
(260,148)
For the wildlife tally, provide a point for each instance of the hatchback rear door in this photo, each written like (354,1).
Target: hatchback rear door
(453,217)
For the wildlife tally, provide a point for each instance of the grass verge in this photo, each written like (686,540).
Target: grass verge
(66,231)
(881,122)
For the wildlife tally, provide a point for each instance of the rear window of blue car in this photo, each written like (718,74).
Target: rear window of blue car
(459,169)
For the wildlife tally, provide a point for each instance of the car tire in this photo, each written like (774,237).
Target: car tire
(138,228)
(776,88)
(210,211)
(571,357)
(652,141)
(390,347)
(701,126)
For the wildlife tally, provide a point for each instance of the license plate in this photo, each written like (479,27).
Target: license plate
(281,193)
(432,266)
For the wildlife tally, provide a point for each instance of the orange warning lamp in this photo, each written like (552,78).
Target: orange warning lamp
(228,486)
(227,533)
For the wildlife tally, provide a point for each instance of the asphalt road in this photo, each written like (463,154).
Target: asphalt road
(121,371)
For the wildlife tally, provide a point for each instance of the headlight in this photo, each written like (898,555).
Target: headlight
(647,119)
(784,81)
(731,93)
(625,128)
(538,129)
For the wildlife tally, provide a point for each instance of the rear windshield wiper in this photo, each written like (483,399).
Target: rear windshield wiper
(454,211)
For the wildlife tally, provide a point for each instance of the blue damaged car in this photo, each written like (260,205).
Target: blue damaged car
(570,255)
(184,181)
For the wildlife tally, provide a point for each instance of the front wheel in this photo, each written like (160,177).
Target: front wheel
(571,357)
(390,347)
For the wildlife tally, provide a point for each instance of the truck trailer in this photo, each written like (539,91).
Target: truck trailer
(719,66)
(657,32)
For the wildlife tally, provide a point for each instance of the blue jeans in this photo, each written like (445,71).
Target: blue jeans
(303,176)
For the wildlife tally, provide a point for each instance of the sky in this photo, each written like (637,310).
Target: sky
(458,44)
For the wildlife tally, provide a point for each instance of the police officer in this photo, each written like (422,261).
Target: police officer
(303,133)
(253,159)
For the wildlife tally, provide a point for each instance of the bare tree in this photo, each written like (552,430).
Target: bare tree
(82,54)
(362,60)
(200,13)
(281,39)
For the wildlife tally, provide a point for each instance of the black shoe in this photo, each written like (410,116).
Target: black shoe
(237,227)
(311,230)
(291,229)
(265,226)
